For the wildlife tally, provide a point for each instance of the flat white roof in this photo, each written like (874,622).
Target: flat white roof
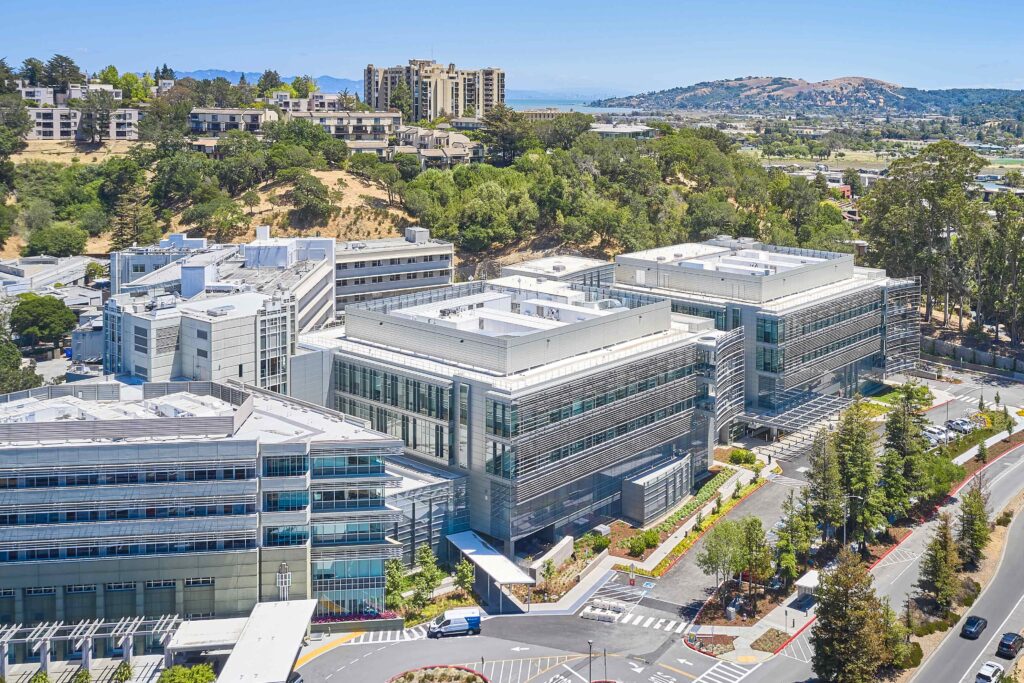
(269,644)
(489,560)
(808,580)
(207,634)
(557,266)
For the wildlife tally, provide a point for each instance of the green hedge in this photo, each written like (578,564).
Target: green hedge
(705,494)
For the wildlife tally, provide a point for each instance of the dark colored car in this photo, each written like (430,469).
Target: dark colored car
(1010,645)
(973,627)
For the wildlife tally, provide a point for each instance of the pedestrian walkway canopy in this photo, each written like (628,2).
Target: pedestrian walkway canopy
(798,410)
(808,584)
(269,643)
(502,571)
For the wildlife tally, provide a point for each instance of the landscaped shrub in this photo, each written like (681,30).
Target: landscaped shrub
(636,546)
(912,658)
(1005,518)
(741,456)
(600,543)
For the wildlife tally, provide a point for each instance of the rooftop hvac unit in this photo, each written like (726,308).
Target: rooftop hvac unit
(220,311)
(558,268)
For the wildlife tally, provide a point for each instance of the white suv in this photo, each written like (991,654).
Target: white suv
(990,673)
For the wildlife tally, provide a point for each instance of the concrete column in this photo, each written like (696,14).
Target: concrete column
(19,606)
(129,650)
(4,666)
(101,600)
(140,598)
(44,656)
(87,654)
(179,597)
(58,603)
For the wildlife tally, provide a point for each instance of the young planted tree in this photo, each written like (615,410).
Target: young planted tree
(848,643)
(394,583)
(721,555)
(982,454)
(465,574)
(895,497)
(940,565)
(972,533)
(756,553)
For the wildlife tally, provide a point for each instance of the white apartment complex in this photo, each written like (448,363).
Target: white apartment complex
(65,123)
(442,148)
(215,121)
(362,131)
(437,90)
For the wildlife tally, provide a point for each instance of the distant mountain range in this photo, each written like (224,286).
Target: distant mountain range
(353,85)
(326,83)
(851,94)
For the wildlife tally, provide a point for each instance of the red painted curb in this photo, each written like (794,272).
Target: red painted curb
(870,567)
(991,462)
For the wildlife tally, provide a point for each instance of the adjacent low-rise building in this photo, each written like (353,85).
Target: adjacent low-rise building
(373,269)
(817,328)
(636,131)
(573,269)
(38,273)
(137,261)
(438,148)
(215,121)
(185,498)
(355,125)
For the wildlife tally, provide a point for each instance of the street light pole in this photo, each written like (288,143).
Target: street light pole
(590,661)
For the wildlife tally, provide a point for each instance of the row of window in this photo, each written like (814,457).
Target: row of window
(840,316)
(115,587)
(348,499)
(583,405)
(599,438)
(329,466)
(337,533)
(378,279)
(182,473)
(411,395)
(285,501)
(169,511)
(379,263)
(771,330)
(841,344)
(125,550)
(421,435)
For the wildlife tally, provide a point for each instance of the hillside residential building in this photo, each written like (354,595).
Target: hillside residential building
(437,90)
(215,121)
(551,398)
(36,95)
(162,87)
(316,102)
(79,91)
(185,498)
(356,125)
(65,123)
(817,329)
(373,269)
(441,148)
(636,131)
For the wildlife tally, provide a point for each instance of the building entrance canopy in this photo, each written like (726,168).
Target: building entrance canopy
(800,409)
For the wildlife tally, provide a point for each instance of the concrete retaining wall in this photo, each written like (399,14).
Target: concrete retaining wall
(558,554)
(985,361)
(364,625)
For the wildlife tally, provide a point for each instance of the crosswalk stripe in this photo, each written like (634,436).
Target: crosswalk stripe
(682,625)
(670,624)
(658,624)
(648,622)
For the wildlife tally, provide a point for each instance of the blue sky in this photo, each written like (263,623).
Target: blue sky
(618,46)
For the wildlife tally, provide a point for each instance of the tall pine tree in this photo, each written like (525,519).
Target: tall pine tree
(858,471)
(940,565)
(826,492)
(133,221)
(972,532)
(848,636)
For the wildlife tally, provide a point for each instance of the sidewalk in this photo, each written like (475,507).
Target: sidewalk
(574,599)
(785,617)
(1018,425)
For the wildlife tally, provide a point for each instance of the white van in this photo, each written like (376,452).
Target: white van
(455,622)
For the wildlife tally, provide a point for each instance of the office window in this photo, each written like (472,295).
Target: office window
(239,369)
(141,339)
(202,334)
(202,353)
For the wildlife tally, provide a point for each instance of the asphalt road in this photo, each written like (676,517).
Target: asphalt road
(897,575)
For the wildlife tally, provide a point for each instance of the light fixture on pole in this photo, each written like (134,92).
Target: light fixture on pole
(590,661)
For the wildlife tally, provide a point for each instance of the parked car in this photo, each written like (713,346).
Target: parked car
(1010,645)
(961,426)
(990,672)
(454,622)
(973,627)
(937,434)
